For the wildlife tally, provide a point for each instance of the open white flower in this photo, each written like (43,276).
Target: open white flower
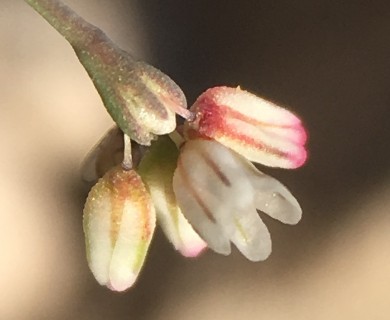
(219,191)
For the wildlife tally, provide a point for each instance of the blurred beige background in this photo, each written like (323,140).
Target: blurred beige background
(328,60)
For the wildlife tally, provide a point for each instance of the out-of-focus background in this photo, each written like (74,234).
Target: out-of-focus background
(329,61)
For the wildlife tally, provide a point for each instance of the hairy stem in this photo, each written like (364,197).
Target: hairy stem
(127,87)
(67,22)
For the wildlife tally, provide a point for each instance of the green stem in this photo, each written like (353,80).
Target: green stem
(127,162)
(67,22)
(139,97)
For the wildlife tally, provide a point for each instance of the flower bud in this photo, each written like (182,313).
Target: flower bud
(140,98)
(119,220)
(156,169)
(256,128)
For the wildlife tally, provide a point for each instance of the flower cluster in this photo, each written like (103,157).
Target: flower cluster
(199,182)
(200,185)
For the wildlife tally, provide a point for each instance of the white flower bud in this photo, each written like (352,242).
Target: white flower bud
(119,220)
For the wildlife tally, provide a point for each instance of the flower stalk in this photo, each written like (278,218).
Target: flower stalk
(127,162)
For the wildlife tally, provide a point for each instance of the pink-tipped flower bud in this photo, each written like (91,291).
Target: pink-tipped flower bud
(119,220)
(256,128)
